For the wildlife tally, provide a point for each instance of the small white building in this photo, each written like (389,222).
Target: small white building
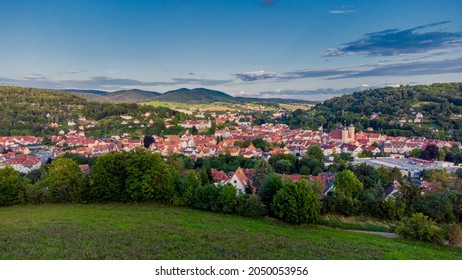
(239,180)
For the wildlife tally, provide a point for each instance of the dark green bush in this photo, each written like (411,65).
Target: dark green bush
(296,203)
(10,182)
(391,210)
(204,197)
(249,206)
(420,227)
(35,194)
(453,234)
(226,200)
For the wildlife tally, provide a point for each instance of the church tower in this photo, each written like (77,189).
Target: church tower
(351,132)
(345,138)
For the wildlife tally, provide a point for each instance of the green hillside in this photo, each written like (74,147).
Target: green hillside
(131,95)
(441,105)
(153,231)
(196,96)
(28,111)
(127,96)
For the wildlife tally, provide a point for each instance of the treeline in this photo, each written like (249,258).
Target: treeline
(29,111)
(437,102)
(137,176)
(141,176)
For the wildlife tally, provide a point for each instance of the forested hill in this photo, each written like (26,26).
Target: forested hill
(197,95)
(29,111)
(392,100)
(385,110)
(182,95)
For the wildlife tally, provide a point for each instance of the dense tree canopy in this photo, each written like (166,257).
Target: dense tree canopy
(438,103)
(107,178)
(296,203)
(64,181)
(10,182)
(148,177)
(347,184)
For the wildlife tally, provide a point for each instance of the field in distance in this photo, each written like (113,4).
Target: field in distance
(214,107)
(226,106)
(153,231)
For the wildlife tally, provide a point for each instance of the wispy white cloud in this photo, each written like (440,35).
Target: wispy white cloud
(341,12)
(342,9)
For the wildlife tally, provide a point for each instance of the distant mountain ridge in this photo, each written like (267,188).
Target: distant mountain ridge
(127,96)
(196,95)
(182,95)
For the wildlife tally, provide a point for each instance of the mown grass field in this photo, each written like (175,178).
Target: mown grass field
(153,231)
(293,107)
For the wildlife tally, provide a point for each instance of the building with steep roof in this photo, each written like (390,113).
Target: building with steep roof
(239,180)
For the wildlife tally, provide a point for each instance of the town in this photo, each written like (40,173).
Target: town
(28,153)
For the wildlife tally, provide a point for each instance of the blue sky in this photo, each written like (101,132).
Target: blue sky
(302,49)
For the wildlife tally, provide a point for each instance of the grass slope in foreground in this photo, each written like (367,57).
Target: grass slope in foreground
(152,231)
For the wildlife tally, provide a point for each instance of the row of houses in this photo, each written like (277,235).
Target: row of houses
(20,162)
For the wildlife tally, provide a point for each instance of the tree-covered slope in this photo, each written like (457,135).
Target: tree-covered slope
(385,109)
(29,111)
(197,95)
(132,95)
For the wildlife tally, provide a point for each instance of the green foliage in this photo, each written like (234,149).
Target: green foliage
(205,197)
(107,178)
(313,162)
(262,170)
(226,200)
(315,153)
(456,201)
(271,185)
(283,166)
(437,102)
(64,181)
(79,159)
(392,210)
(347,185)
(24,112)
(296,203)
(317,186)
(227,163)
(148,177)
(420,227)
(454,233)
(196,96)
(249,206)
(305,170)
(286,166)
(10,183)
(185,187)
(438,206)
(35,194)
(215,198)
(261,144)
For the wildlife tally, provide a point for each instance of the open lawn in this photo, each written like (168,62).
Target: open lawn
(295,106)
(153,231)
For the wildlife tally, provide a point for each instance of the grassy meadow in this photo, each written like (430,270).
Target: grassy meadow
(153,231)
